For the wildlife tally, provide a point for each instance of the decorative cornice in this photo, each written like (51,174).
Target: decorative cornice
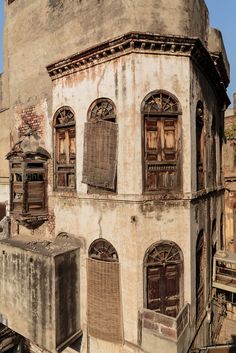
(220,66)
(148,43)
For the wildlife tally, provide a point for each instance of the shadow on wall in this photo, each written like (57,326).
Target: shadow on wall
(233,342)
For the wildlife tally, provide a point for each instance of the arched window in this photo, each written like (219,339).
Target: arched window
(200,145)
(163,270)
(100,146)
(104,292)
(65,149)
(200,274)
(102,250)
(161,142)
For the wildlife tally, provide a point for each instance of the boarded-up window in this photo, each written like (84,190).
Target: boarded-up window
(200,146)
(65,149)
(200,275)
(104,293)
(161,143)
(163,266)
(100,146)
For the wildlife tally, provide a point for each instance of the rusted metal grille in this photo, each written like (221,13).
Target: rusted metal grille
(104,301)
(100,154)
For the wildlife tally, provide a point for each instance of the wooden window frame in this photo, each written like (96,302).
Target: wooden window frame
(214,150)
(64,123)
(179,260)
(166,109)
(29,202)
(102,250)
(200,143)
(200,275)
(102,111)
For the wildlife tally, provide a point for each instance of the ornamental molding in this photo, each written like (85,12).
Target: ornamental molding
(145,43)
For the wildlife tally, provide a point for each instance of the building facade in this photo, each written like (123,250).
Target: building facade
(229,175)
(116,199)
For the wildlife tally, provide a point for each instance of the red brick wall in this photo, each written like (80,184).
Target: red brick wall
(29,118)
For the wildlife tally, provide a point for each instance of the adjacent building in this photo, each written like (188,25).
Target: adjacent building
(115,198)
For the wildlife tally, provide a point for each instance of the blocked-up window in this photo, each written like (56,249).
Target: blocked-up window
(104,292)
(161,152)
(100,146)
(65,149)
(200,146)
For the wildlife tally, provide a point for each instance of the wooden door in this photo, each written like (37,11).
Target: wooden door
(163,289)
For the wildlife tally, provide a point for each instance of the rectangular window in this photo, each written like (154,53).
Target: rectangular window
(65,149)
(100,154)
(161,153)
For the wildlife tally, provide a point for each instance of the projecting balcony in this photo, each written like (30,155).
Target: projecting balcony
(165,326)
(224,271)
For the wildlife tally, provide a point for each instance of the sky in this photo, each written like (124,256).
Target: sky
(222,16)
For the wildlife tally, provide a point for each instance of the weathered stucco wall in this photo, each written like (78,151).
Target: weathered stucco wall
(38,286)
(49,30)
(126,81)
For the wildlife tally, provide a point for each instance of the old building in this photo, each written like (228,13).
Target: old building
(115,202)
(230,175)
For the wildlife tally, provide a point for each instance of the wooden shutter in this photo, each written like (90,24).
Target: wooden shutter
(61,143)
(200,154)
(161,153)
(163,289)
(104,301)
(200,278)
(100,154)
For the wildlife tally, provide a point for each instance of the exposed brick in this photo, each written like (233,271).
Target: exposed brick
(149,315)
(148,324)
(168,332)
(164,320)
(28,117)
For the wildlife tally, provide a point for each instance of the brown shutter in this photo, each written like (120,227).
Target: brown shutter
(161,153)
(104,301)
(100,154)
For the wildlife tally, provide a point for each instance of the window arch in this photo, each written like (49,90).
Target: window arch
(161,142)
(200,145)
(200,274)
(100,146)
(163,269)
(102,250)
(102,109)
(65,148)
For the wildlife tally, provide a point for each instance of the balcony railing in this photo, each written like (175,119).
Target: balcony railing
(224,271)
(166,326)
